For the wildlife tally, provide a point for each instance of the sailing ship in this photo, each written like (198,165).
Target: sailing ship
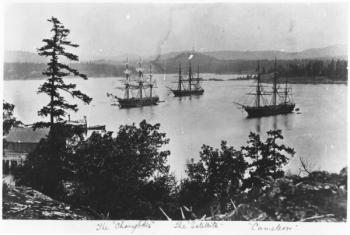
(190,85)
(140,86)
(283,106)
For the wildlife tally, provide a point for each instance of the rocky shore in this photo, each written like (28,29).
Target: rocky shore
(26,203)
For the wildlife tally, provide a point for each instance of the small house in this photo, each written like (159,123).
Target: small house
(19,142)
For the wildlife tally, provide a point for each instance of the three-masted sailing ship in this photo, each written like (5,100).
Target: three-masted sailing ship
(188,86)
(138,86)
(281,102)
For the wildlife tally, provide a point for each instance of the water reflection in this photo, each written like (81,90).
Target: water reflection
(262,124)
(288,121)
(189,98)
(258,125)
(152,112)
(128,111)
(274,122)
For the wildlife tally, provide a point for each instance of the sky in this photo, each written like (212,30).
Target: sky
(152,29)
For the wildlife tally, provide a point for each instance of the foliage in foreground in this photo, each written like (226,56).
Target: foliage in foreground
(250,184)
(127,177)
(317,197)
(293,198)
(117,177)
(226,175)
(8,120)
(47,167)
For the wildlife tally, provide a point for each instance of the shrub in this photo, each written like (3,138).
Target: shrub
(123,176)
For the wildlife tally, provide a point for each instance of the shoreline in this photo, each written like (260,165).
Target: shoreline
(294,80)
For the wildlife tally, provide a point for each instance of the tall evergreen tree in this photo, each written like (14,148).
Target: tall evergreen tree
(54,49)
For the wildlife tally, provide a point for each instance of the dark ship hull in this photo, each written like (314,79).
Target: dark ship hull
(180,93)
(138,102)
(269,110)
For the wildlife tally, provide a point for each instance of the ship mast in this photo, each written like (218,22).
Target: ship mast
(150,80)
(286,88)
(127,75)
(198,74)
(258,88)
(274,95)
(190,76)
(180,76)
(286,91)
(140,73)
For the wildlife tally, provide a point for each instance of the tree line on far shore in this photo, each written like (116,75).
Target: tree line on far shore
(334,69)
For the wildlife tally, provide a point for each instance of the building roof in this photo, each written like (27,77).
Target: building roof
(26,135)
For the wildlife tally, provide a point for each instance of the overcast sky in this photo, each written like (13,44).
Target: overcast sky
(149,29)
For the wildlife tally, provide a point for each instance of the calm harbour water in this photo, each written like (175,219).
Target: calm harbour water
(318,134)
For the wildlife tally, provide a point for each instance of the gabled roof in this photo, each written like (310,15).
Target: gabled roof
(26,134)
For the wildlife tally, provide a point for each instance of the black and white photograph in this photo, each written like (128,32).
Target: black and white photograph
(197,114)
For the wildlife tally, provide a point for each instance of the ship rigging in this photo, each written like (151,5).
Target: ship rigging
(190,85)
(140,86)
(281,102)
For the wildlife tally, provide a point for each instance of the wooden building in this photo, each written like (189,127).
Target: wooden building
(19,142)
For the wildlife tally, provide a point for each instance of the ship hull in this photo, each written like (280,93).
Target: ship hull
(138,102)
(269,110)
(180,93)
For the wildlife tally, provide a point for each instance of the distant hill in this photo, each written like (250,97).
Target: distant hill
(335,51)
(27,65)
(206,63)
(113,59)
(171,64)
(23,57)
(23,71)
(165,56)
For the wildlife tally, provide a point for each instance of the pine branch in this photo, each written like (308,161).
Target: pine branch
(69,56)
(69,43)
(78,94)
(38,125)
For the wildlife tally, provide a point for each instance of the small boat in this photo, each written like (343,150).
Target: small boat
(286,105)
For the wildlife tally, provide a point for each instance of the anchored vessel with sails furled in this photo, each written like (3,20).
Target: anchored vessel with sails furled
(190,85)
(138,86)
(283,106)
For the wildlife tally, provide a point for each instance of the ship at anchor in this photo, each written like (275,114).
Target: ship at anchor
(188,86)
(281,102)
(142,87)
